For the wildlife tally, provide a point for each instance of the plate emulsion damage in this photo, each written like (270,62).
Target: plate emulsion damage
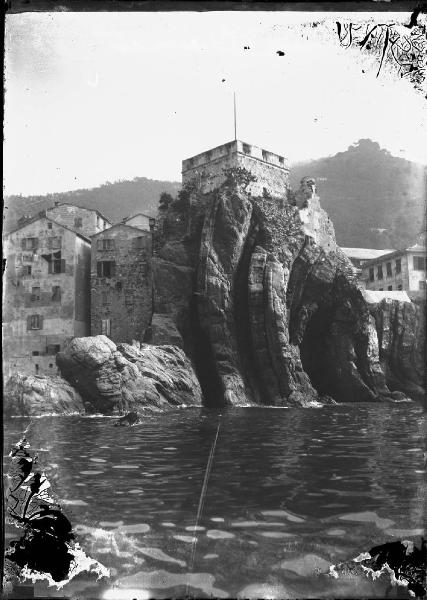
(47,549)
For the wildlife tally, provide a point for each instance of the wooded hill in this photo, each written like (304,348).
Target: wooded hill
(374,199)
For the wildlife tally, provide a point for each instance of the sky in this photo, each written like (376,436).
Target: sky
(96,97)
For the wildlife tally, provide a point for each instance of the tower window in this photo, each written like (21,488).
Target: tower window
(78,222)
(105,326)
(371,274)
(246,149)
(106,268)
(49,225)
(380,272)
(388,267)
(398,265)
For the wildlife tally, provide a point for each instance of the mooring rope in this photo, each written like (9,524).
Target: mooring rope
(202,501)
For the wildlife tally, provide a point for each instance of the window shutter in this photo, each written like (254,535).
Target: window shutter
(50,267)
(40,321)
(99,245)
(99,268)
(112,269)
(24,244)
(28,322)
(62,265)
(35,243)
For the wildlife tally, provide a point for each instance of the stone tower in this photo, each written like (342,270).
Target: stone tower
(206,169)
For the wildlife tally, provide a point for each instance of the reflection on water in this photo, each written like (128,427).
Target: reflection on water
(290,491)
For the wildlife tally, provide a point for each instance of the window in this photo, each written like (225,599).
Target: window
(264,155)
(281,160)
(50,365)
(104,298)
(381,289)
(380,272)
(139,243)
(246,149)
(398,265)
(388,268)
(56,293)
(399,287)
(35,294)
(49,225)
(28,257)
(119,286)
(106,268)
(35,353)
(29,243)
(34,322)
(53,349)
(54,242)
(78,222)
(26,270)
(56,263)
(105,326)
(390,287)
(422,285)
(419,263)
(371,274)
(105,244)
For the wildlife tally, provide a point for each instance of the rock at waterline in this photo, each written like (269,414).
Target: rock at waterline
(119,378)
(36,395)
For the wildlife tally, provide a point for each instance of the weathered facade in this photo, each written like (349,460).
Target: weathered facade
(206,169)
(399,270)
(86,221)
(141,221)
(45,294)
(121,283)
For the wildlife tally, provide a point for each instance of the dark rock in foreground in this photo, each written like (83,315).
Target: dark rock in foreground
(37,395)
(114,379)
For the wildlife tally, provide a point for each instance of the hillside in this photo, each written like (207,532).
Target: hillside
(114,200)
(365,189)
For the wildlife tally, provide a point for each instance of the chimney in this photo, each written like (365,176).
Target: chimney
(56,203)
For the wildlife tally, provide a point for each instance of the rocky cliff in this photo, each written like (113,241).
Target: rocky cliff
(114,379)
(268,308)
(36,395)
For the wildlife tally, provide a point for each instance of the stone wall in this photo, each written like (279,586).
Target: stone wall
(53,297)
(124,298)
(206,169)
(85,221)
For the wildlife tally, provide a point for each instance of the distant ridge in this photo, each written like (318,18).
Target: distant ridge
(375,200)
(115,200)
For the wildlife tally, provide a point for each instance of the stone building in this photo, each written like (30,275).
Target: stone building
(45,293)
(86,221)
(206,169)
(398,270)
(141,221)
(121,283)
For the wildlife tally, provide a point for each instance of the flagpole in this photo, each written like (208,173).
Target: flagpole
(235,119)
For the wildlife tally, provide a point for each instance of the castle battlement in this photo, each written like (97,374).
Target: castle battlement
(270,169)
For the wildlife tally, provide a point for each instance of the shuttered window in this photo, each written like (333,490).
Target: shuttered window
(106,268)
(105,326)
(34,322)
(29,243)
